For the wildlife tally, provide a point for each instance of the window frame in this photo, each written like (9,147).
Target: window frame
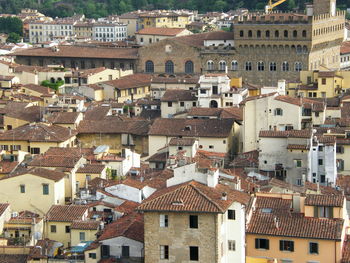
(310,248)
(286,245)
(193,221)
(258,244)
(231,214)
(164,252)
(194,253)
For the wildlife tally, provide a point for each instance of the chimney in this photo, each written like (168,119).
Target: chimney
(275,220)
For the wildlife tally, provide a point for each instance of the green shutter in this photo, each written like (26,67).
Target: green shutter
(315,211)
(267,244)
(330,212)
(256,243)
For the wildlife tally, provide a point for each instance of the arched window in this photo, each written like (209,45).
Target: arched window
(277,33)
(189,67)
(285,33)
(234,65)
(250,33)
(169,67)
(149,66)
(273,66)
(258,34)
(295,33)
(52,80)
(248,66)
(241,33)
(285,66)
(210,65)
(261,66)
(298,66)
(267,33)
(222,65)
(304,33)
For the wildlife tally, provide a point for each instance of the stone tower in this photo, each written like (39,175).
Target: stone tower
(325,7)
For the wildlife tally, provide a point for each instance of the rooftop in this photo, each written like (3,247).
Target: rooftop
(66,213)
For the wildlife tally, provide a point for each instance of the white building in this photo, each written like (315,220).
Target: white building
(109,31)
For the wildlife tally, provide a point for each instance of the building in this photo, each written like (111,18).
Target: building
(84,231)
(59,220)
(109,32)
(278,45)
(212,134)
(286,228)
(131,20)
(34,190)
(74,56)
(169,19)
(211,229)
(151,35)
(177,101)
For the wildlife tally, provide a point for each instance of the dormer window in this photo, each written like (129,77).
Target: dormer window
(187,128)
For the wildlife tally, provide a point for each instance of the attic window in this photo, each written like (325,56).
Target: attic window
(177,202)
(187,128)
(266,210)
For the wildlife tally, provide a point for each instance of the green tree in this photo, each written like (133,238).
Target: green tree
(13,38)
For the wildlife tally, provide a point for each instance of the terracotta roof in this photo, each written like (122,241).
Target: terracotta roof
(127,207)
(80,52)
(193,197)
(223,113)
(324,200)
(175,79)
(86,225)
(54,161)
(7,167)
(91,168)
(287,134)
(130,81)
(192,127)
(345,47)
(38,88)
(113,125)
(69,152)
(38,133)
(63,117)
(160,31)
(197,40)
(21,112)
(41,172)
(96,113)
(66,213)
(158,157)
(42,249)
(84,73)
(130,226)
(182,141)
(295,225)
(346,247)
(179,95)
(298,147)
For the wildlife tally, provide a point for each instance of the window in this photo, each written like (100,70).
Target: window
(267,33)
(298,66)
(164,252)
(277,33)
(22,188)
(203,91)
(82,236)
(169,67)
(323,211)
(170,104)
(45,189)
(189,67)
(320,148)
(163,220)
(231,214)
(320,161)
(273,66)
(211,146)
(322,178)
(67,229)
(125,251)
(222,65)
(285,66)
(149,66)
(340,149)
(53,229)
(324,81)
(193,221)
(258,34)
(261,66)
(241,33)
(285,33)
(248,66)
(340,165)
(231,245)
(295,33)
(278,112)
(194,253)
(35,150)
(304,33)
(313,248)
(286,245)
(262,243)
(210,65)
(250,33)
(182,104)
(234,65)
(298,163)
(92,255)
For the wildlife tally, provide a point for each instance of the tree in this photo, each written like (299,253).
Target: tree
(13,38)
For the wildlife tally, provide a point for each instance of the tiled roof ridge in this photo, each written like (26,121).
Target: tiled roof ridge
(205,196)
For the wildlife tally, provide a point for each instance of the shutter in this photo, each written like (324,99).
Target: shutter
(292,246)
(281,245)
(267,244)
(315,211)
(330,212)
(256,243)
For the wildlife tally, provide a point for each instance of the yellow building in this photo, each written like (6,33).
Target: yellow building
(323,83)
(59,220)
(92,254)
(84,231)
(290,228)
(163,19)
(36,139)
(83,30)
(20,113)
(34,190)
(88,172)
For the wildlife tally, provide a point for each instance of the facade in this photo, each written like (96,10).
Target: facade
(109,32)
(151,35)
(284,44)
(44,31)
(177,101)
(164,19)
